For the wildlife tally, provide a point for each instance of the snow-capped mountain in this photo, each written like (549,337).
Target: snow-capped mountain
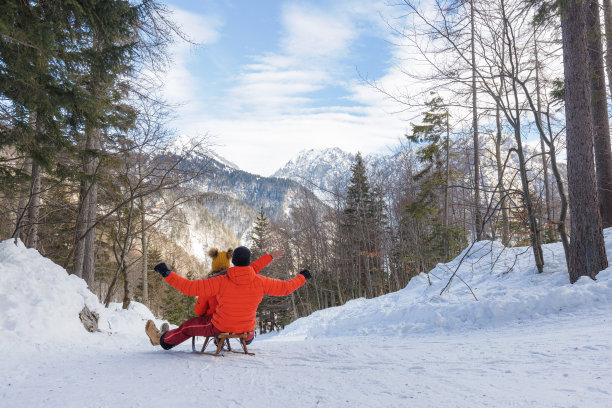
(230,200)
(194,148)
(323,171)
(328,171)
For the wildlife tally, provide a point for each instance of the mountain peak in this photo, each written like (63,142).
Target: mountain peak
(321,170)
(193,147)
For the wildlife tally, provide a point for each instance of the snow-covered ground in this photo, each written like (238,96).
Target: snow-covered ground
(530,340)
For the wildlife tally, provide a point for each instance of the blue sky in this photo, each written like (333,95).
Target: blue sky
(271,78)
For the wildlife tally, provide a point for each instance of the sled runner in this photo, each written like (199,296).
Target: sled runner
(222,339)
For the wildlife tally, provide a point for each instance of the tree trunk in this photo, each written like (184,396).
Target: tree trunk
(126,289)
(561,226)
(477,217)
(447,182)
(79,231)
(547,194)
(84,256)
(90,237)
(587,251)
(533,222)
(145,248)
(33,208)
(607,7)
(500,180)
(21,218)
(534,231)
(599,112)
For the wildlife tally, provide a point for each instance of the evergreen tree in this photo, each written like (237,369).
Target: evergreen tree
(360,232)
(272,311)
(433,180)
(433,174)
(37,42)
(260,236)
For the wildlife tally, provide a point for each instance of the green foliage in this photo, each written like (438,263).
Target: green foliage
(432,177)
(59,78)
(546,10)
(456,238)
(425,211)
(361,233)
(558,91)
(260,236)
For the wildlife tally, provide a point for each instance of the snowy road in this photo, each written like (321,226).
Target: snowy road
(565,362)
(519,345)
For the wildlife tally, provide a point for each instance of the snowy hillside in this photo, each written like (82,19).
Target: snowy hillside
(530,340)
(233,198)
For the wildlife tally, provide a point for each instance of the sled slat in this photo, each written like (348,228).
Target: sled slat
(223,339)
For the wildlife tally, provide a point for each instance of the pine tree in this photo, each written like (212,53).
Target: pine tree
(108,56)
(274,312)
(359,238)
(433,174)
(36,44)
(433,181)
(260,236)
(599,112)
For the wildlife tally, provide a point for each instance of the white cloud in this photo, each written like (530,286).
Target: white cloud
(263,144)
(180,85)
(313,33)
(199,28)
(268,117)
(308,60)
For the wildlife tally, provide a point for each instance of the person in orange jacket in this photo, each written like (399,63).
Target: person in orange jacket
(238,293)
(220,264)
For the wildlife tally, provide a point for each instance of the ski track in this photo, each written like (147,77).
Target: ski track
(557,363)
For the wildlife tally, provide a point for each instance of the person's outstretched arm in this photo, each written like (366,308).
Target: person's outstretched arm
(276,287)
(201,287)
(265,260)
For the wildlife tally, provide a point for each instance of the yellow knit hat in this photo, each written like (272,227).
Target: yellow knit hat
(220,260)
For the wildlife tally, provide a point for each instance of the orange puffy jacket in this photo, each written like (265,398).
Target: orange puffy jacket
(207,306)
(238,293)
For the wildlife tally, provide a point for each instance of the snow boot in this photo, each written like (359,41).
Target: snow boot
(152,332)
(164,328)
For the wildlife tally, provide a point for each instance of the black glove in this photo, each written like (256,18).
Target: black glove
(162,269)
(306,274)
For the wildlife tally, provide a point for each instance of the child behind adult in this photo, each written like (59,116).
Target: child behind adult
(220,265)
(239,293)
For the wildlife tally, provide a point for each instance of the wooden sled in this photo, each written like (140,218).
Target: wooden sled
(222,339)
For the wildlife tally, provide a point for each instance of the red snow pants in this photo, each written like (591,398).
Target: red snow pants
(196,326)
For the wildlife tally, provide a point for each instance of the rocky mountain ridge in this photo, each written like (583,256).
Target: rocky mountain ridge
(232,198)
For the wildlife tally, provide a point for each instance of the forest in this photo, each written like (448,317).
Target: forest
(512,144)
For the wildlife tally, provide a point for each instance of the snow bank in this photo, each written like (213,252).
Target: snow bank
(40,304)
(493,286)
